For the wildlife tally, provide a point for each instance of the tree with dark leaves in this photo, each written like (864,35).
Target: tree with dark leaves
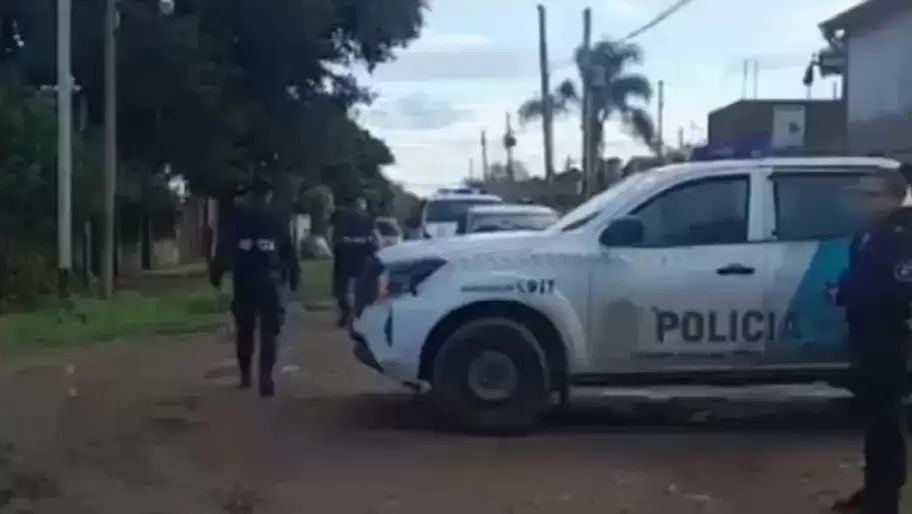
(222,88)
(216,91)
(618,94)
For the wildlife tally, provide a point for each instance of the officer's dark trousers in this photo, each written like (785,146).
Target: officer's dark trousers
(344,273)
(252,306)
(881,403)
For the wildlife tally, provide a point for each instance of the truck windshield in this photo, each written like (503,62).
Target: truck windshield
(582,215)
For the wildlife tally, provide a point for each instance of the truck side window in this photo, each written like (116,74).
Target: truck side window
(818,205)
(707,211)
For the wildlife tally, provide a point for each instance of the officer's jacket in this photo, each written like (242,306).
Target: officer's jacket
(353,236)
(258,248)
(876,289)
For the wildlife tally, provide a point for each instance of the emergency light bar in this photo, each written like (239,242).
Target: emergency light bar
(458,191)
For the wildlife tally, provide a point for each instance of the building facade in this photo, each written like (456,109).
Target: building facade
(877,38)
(753,128)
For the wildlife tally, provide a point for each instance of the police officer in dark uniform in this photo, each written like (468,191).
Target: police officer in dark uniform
(875,292)
(354,239)
(258,247)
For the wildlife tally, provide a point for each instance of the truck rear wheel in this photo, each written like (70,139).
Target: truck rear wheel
(491,376)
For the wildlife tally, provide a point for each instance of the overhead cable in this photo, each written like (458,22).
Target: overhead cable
(662,16)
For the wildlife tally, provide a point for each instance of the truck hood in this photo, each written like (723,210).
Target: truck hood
(459,246)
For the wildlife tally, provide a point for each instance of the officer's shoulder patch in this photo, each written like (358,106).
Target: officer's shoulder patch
(903,271)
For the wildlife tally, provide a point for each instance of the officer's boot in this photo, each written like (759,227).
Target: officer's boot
(268,349)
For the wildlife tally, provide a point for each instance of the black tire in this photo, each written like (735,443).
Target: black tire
(515,414)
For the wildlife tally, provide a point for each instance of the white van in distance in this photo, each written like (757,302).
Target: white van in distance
(442,212)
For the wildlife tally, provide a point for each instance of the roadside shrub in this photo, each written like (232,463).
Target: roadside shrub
(27,277)
(28,187)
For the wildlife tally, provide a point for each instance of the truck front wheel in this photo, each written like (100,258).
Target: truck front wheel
(491,376)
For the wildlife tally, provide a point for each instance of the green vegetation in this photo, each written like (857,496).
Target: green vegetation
(316,283)
(88,320)
(169,304)
(209,94)
(27,189)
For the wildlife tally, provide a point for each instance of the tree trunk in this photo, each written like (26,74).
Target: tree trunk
(282,197)
(145,240)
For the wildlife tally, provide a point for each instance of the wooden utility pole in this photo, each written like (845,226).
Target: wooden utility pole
(547,112)
(484,155)
(587,103)
(660,123)
(64,147)
(744,79)
(509,142)
(110,149)
(756,79)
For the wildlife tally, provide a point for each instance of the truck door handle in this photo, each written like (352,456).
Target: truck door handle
(735,269)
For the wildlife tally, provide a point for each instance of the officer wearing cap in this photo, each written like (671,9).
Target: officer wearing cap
(354,239)
(875,292)
(258,247)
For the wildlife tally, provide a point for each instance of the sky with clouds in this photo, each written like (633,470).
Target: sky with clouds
(476,60)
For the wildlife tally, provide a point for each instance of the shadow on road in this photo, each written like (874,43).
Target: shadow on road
(413,413)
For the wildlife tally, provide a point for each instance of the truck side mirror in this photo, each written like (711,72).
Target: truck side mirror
(623,232)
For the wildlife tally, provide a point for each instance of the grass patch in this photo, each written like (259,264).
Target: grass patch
(316,282)
(157,308)
(89,320)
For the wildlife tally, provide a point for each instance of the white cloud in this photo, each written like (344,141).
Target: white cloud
(430,159)
(435,41)
(416,111)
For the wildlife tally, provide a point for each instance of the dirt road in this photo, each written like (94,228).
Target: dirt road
(156,427)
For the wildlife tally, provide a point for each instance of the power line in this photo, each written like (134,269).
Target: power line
(769,62)
(662,16)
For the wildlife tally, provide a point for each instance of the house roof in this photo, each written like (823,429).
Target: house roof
(865,13)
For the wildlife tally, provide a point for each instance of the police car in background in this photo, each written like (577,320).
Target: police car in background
(442,212)
(696,273)
(505,217)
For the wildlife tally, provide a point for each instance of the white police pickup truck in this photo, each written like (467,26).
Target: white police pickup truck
(711,273)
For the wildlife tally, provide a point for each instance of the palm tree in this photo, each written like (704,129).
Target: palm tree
(612,96)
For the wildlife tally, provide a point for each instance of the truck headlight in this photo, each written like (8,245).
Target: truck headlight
(400,278)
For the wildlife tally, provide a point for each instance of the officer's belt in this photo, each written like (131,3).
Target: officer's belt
(356,240)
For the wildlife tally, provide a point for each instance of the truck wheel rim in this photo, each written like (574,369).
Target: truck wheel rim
(493,376)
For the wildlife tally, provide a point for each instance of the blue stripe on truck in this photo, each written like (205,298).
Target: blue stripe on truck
(820,320)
